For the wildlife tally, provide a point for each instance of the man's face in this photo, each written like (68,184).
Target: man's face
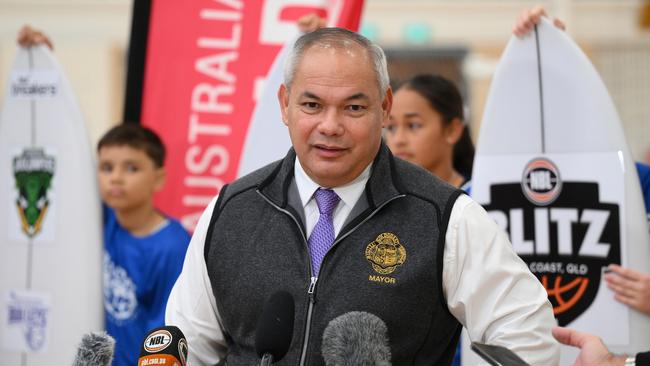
(335,113)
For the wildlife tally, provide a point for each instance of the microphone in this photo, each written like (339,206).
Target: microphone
(275,328)
(356,338)
(95,349)
(497,355)
(164,346)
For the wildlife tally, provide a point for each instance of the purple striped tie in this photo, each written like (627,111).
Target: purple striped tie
(322,237)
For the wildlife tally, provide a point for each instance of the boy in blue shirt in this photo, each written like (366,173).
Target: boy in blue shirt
(143,249)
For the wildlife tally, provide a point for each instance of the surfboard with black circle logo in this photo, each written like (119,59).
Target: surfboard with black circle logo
(553,169)
(50,226)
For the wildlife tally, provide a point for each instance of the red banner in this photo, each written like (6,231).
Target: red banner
(206,61)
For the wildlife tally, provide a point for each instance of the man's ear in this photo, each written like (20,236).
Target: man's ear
(386,105)
(283,99)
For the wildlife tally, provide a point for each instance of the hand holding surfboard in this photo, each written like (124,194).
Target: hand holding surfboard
(28,37)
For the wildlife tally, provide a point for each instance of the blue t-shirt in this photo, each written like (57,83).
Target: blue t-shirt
(139,273)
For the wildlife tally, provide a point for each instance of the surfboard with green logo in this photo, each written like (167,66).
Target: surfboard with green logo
(50,226)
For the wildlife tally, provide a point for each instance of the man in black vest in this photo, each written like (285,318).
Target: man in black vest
(344,226)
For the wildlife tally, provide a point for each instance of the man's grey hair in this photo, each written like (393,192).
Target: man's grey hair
(338,38)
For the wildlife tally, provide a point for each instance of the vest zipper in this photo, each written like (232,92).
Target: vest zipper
(312,286)
(311,291)
(310,309)
(312,283)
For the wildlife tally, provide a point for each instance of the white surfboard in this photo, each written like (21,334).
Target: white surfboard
(553,169)
(51,246)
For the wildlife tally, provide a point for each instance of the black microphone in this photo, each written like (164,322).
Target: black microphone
(164,346)
(95,349)
(497,355)
(275,328)
(356,338)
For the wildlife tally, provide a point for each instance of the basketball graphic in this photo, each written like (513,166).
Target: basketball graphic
(564,296)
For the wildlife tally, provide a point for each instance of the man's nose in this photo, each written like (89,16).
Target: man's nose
(331,123)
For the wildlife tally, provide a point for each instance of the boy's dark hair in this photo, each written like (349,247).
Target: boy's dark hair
(137,137)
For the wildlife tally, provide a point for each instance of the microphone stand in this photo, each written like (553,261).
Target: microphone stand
(267,360)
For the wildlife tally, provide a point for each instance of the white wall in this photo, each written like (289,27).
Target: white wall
(90,39)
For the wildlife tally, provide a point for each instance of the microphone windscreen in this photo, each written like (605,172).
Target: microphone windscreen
(275,326)
(356,338)
(95,349)
(164,346)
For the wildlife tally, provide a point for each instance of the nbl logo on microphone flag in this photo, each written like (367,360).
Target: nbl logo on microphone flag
(563,232)
(157,341)
(164,346)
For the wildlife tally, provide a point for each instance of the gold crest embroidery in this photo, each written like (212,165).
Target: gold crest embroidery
(385,253)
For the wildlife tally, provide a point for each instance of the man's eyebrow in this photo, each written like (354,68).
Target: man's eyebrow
(310,95)
(356,96)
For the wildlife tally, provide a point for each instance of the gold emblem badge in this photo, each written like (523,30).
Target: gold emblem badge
(385,253)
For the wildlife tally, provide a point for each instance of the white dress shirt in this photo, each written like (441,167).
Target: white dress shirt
(349,195)
(488,288)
